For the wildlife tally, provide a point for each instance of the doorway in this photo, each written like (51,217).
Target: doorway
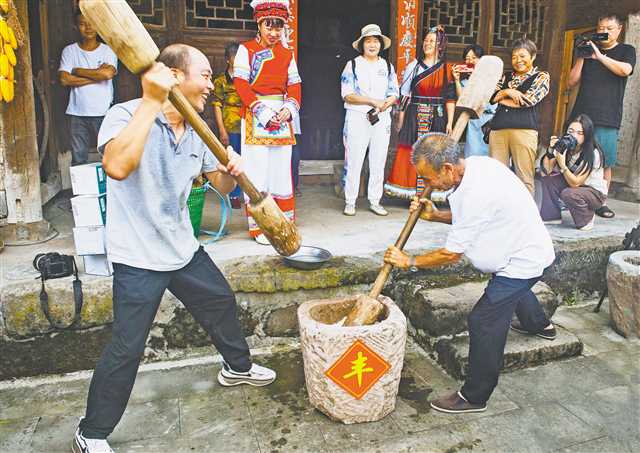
(326,30)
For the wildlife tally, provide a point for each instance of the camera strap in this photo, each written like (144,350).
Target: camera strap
(77,301)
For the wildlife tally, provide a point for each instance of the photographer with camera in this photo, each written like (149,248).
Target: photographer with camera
(369,87)
(602,71)
(573,168)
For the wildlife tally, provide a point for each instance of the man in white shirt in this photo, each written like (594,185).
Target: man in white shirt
(87,67)
(496,225)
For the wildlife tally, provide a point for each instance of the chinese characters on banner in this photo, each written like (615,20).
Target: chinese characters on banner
(291,28)
(407,30)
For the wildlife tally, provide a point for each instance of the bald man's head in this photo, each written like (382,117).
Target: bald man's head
(193,71)
(179,56)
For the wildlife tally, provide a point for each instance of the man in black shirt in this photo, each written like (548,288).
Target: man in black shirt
(603,79)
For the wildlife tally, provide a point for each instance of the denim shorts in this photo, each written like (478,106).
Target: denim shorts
(607,137)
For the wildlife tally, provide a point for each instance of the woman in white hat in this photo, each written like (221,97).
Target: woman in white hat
(267,80)
(369,88)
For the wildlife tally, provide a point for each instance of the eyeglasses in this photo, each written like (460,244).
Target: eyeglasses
(573,131)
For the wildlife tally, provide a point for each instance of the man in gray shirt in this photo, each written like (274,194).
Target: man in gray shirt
(152,156)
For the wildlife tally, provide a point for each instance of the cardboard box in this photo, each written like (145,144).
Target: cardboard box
(97,265)
(89,210)
(88,179)
(90,240)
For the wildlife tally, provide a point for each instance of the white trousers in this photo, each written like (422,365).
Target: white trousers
(359,135)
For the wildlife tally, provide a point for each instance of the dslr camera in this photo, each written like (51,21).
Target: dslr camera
(565,143)
(582,46)
(54,265)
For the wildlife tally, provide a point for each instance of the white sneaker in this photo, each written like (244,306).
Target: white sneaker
(262,239)
(256,376)
(83,445)
(378,210)
(349,209)
(588,226)
(553,222)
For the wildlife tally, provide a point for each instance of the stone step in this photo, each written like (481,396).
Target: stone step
(435,312)
(521,351)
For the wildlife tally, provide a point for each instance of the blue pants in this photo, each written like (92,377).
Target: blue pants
(489,323)
(84,134)
(235,141)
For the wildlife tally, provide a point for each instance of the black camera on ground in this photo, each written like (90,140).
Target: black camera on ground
(565,143)
(582,46)
(54,265)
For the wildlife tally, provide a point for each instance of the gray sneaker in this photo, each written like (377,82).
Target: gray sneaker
(83,445)
(378,210)
(349,209)
(256,376)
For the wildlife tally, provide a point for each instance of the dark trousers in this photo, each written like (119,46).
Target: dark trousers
(489,323)
(581,202)
(203,290)
(84,135)
(295,162)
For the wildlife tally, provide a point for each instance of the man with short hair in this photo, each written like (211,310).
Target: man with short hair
(87,67)
(496,225)
(603,79)
(151,157)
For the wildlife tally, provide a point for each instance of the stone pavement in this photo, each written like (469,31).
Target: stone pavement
(586,404)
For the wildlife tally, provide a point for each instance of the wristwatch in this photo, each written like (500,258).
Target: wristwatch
(412,264)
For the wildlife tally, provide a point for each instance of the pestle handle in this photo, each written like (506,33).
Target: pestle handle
(400,243)
(202,129)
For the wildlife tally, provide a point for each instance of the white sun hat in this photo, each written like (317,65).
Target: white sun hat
(372,30)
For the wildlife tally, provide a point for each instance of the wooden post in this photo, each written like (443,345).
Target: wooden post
(19,149)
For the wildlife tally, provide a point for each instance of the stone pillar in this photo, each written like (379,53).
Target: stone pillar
(19,152)
(627,169)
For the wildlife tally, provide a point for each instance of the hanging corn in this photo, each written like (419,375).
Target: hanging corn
(8,46)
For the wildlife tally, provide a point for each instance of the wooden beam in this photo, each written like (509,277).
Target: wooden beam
(18,144)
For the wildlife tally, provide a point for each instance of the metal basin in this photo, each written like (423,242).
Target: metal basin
(308,258)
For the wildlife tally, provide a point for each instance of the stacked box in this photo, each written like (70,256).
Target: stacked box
(89,205)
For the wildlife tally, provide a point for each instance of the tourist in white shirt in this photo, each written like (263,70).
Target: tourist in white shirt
(369,87)
(576,177)
(87,67)
(496,225)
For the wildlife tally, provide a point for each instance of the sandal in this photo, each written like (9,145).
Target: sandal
(604,211)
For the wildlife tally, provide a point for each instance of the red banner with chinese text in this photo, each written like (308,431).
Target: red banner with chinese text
(292,27)
(406,33)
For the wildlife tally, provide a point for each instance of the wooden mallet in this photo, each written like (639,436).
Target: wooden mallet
(471,103)
(118,25)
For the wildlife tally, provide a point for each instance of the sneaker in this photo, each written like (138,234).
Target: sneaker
(378,210)
(547,334)
(456,404)
(256,376)
(262,239)
(553,222)
(83,445)
(588,226)
(349,209)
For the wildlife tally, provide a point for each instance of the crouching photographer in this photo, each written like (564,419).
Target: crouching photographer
(573,172)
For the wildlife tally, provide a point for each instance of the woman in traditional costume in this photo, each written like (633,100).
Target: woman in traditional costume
(429,95)
(267,80)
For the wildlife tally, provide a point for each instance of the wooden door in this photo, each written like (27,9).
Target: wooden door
(326,30)
(566,96)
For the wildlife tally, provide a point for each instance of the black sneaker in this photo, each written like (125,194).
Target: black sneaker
(256,376)
(456,404)
(547,334)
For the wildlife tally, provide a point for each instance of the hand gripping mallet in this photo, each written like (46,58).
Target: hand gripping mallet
(470,105)
(118,25)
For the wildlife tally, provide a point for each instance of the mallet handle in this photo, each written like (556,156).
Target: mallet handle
(400,243)
(202,129)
